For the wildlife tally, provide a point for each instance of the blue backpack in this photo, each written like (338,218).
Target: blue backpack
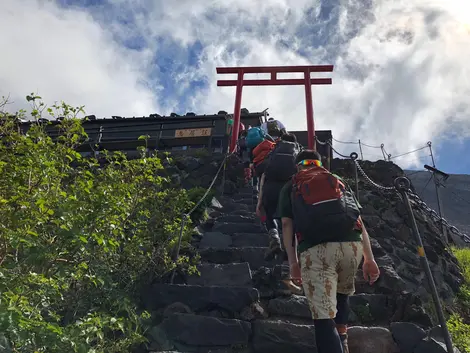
(254,137)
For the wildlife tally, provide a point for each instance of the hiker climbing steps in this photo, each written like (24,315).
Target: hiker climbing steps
(238,303)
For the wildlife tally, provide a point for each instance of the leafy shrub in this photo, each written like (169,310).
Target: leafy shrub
(459,332)
(459,322)
(79,237)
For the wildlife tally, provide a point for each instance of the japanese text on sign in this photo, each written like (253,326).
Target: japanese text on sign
(193,132)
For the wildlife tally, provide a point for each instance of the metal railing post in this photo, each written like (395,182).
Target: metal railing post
(353,157)
(402,184)
(178,247)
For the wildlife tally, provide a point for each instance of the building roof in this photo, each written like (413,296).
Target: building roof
(120,120)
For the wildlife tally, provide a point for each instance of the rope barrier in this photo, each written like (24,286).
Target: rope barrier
(365,144)
(185,216)
(409,152)
(386,156)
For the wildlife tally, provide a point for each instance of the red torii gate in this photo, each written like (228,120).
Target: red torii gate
(307,81)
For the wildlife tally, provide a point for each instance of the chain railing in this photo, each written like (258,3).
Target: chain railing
(402,186)
(185,216)
(416,200)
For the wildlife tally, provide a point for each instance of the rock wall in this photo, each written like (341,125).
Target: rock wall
(238,302)
(197,168)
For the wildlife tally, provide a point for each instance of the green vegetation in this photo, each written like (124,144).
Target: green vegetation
(79,237)
(459,322)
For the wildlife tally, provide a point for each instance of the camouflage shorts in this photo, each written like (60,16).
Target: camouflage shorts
(328,269)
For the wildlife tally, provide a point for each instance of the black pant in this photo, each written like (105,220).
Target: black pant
(255,182)
(271,191)
(326,335)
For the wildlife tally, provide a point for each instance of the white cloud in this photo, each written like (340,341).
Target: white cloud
(65,55)
(401,67)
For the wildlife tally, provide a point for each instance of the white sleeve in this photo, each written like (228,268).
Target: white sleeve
(281,125)
(264,127)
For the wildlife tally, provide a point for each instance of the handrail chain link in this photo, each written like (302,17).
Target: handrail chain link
(413,196)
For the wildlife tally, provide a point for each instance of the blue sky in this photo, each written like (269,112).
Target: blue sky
(401,76)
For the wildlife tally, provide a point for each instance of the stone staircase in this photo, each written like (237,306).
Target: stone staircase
(237,303)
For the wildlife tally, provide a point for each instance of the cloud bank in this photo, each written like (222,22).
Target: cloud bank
(401,75)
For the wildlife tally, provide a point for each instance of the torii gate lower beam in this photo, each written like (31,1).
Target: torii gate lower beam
(307,81)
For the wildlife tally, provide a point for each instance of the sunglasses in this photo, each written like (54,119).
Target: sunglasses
(307,162)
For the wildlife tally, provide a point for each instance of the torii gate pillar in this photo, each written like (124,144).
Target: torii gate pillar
(307,81)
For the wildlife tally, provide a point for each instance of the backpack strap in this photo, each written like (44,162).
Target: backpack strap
(349,189)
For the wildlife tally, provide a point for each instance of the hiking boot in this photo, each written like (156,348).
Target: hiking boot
(275,248)
(344,340)
(287,287)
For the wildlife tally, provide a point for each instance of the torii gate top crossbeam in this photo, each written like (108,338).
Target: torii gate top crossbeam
(278,69)
(307,81)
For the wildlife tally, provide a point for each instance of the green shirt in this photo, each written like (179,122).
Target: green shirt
(285,211)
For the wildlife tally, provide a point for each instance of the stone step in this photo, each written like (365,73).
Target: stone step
(219,240)
(232,228)
(365,308)
(200,298)
(244,240)
(249,214)
(245,189)
(183,332)
(215,240)
(253,255)
(230,206)
(244,196)
(248,218)
(191,333)
(232,275)
(245,201)
(278,337)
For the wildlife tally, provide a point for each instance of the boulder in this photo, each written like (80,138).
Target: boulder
(371,340)
(407,335)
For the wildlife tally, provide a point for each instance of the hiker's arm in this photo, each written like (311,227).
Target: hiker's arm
(367,249)
(269,138)
(288,239)
(260,193)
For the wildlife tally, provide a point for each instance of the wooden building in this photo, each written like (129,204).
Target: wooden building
(170,133)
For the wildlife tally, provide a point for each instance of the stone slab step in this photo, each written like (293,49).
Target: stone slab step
(191,333)
(230,206)
(244,196)
(245,201)
(215,240)
(232,228)
(245,189)
(199,298)
(253,255)
(243,240)
(219,240)
(249,214)
(248,218)
(365,308)
(233,275)
(279,337)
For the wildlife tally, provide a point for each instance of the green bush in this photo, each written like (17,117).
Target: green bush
(459,322)
(79,237)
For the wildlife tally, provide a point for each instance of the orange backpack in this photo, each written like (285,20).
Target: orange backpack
(261,151)
(323,205)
